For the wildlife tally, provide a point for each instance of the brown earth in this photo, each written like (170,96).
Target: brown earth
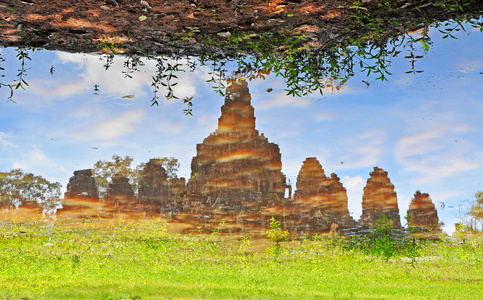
(182,27)
(83,25)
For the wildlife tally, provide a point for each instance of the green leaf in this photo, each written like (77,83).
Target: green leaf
(142,18)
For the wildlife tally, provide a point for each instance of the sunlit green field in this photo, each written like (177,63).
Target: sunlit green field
(142,261)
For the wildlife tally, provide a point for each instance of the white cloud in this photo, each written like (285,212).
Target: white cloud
(56,88)
(437,153)
(364,150)
(35,157)
(363,156)
(282,100)
(118,126)
(115,81)
(83,112)
(325,116)
(172,127)
(5,142)
(418,144)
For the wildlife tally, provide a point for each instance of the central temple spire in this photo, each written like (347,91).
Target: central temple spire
(235,164)
(237,114)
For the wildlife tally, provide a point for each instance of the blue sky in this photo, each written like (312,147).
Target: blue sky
(424,129)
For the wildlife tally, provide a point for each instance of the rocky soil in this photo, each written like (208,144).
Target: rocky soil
(184,27)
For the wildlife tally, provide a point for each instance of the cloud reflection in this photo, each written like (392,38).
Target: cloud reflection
(5,142)
(115,80)
(119,126)
(437,153)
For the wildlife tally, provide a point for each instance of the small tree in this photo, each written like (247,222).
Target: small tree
(275,233)
(384,241)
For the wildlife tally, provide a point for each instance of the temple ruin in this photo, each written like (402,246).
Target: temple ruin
(379,199)
(323,198)
(82,185)
(422,215)
(235,165)
(236,178)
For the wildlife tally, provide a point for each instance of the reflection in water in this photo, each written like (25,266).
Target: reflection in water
(380,199)
(236,164)
(236,178)
(423,137)
(322,199)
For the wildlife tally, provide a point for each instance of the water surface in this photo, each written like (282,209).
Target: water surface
(424,129)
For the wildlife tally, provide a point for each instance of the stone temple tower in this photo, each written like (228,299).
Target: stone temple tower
(422,214)
(322,197)
(236,164)
(379,199)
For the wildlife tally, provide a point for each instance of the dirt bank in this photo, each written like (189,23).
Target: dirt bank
(191,27)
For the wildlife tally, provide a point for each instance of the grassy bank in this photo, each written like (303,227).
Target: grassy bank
(142,261)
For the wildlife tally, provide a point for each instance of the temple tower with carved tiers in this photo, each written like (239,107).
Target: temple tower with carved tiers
(236,164)
(379,199)
(422,215)
(323,198)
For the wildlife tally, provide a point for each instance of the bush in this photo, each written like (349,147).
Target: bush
(276,234)
(384,241)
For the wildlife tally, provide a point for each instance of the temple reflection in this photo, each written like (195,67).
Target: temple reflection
(236,178)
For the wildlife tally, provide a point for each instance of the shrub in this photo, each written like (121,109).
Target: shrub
(384,241)
(276,234)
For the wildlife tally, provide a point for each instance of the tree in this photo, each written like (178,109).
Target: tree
(275,233)
(171,165)
(17,187)
(476,210)
(104,171)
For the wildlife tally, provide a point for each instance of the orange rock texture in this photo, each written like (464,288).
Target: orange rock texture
(323,198)
(379,199)
(27,211)
(235,164)
(422,215)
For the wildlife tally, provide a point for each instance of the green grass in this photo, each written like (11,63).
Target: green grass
(142,261)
